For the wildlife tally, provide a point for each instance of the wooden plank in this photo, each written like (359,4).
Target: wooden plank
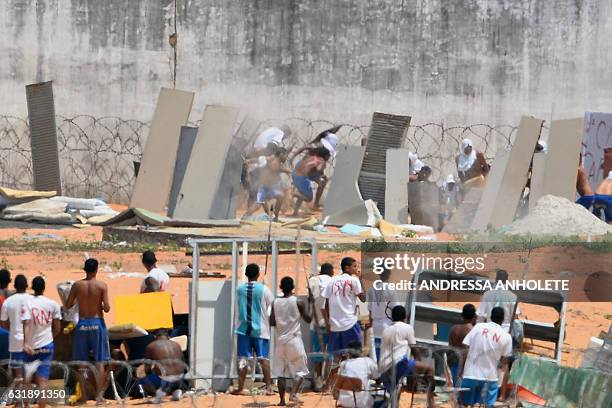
(156,172)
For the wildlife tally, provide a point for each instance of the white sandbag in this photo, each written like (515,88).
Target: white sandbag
(72,314)
(79,203)
(98,211)
(41,217)
(43,205)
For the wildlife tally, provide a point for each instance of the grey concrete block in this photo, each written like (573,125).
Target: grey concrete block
(538,170)
(43,137)
(156,173)
(203,178)
(508,177)
(424,202)
(343,191)
(462,220)
(396,190)
(186,142)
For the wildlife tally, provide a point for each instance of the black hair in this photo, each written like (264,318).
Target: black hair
(468,312)
(497,315)
(286,285)
(346,261)
(91,265)
(501,275)
(5,278)
(38,285)
(252,271)
(354,348)
(320,151)
(151,285)
(327,269)
(148,258)
(398,313)
(21,283)
(384,276)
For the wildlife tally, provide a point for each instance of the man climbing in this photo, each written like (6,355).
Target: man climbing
(315,161)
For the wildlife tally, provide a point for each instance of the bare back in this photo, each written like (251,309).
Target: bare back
(604,188)
(92,298)
(582,183)
(168,353)
(458,333)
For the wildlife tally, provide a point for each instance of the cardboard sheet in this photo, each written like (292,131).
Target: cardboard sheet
(149,311)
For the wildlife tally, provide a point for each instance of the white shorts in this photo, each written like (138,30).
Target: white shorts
(290,359)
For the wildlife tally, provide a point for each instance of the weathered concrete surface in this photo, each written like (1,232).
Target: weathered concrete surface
(462,61)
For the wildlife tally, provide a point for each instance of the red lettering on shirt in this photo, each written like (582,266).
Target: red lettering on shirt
(343,288)
(41,317)
(484,332)
(496,338)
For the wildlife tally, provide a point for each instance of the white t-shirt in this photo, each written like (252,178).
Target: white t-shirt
(160,276)
(395,344)
(15,309)
(380,305)
(488,343)
(365,369)
(341,293)
(498,298)
(42,313)
(317,285)
(270,135)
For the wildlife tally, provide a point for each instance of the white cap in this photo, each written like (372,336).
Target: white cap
(450,179)
(330,141)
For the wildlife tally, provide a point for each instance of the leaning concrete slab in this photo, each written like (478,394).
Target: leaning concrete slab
(186,142)
(156,172)
(564,144)
(537,186)
(343,190)
(43,137)
(387,132)
(203,177)
(396,182)
(508,178)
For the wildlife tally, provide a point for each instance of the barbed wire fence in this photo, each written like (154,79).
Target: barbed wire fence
(97,153)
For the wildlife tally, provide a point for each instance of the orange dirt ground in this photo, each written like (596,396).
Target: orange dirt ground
(31,258)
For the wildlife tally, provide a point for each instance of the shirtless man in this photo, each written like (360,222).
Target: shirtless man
(583,187)
(455,339)
(603,198)
(160,382)
(314,163)
(270,184)
(90,332)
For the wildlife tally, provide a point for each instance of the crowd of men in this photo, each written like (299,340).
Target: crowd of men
(332,310)
(33,322)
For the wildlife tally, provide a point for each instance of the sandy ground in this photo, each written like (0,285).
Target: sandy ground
(58,260)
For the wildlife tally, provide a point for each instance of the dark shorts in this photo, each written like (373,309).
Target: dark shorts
(158,383)
(603,203)
(403,368)
(481,392)
(316,347)
(44,357)
(586,201)
(339,341)
(247,345)
(90,335)
(302,183)
(17,359)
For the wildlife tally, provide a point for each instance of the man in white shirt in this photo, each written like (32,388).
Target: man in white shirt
(271,135)
(363,368)
(341,293)
(488,343)
(498,298)
(380,304)
(395,362)
(317,284)
(150,263)
(39,330)
(14,311)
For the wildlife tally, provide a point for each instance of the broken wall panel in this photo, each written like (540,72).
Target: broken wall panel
(387,132)
(508,177)
(43,137)
(562,159)
(396,186)
(183,153)
(156,172)
(202,184)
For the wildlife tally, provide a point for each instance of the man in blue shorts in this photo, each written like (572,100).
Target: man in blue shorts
(90,334)
(317,285)
(253,327)
(395,362)
(488,343)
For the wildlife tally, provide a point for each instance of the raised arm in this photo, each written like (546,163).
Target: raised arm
(106,304)
(72,296)
(305,309)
